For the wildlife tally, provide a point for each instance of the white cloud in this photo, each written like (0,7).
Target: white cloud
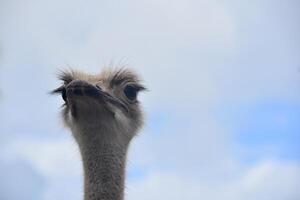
(197,142)
(267,180)
(55,163)
(51,157)
(19,180)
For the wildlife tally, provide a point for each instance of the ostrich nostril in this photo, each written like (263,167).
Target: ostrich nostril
(98,87)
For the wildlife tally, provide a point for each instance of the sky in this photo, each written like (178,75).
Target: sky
(222,110)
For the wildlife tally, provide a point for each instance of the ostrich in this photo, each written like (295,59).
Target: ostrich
(103,114)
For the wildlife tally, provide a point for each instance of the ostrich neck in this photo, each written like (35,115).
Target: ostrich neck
(104,162)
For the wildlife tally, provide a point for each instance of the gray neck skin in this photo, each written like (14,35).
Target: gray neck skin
(104,168)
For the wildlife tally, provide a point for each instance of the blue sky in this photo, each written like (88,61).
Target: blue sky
(222,113)
(268,128)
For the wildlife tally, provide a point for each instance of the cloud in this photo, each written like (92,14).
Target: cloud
(198,142)
(266,180)
(55,157)
(19,180)
(55,161)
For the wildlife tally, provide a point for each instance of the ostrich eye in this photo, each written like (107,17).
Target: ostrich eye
(64,95)
(130,92)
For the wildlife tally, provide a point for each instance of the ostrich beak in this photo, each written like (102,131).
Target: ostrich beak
(79,88)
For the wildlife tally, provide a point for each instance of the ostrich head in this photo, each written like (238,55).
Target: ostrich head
(103,105)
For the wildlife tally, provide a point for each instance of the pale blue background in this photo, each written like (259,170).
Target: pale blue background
(223,109)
